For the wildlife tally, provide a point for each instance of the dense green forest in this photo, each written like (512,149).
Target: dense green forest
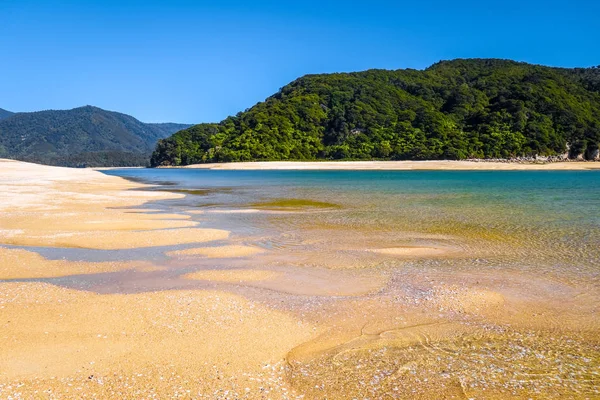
(82,137)
(475,108)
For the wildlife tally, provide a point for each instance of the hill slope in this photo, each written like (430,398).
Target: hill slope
(5,113)
(85,136)
(482,108)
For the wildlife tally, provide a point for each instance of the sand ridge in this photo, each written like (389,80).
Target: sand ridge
(233,275)
(23,264)
(228,251)
(417,251)
(114,240)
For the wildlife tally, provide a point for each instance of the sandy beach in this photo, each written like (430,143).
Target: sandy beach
(399,165)
(106,292)
(61,343)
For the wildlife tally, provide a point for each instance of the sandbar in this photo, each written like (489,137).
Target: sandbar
(233,275)
(229,251)
(23,264)
(417,251)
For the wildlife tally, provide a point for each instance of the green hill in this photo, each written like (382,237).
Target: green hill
(482,108)
(5,113)
(85,136)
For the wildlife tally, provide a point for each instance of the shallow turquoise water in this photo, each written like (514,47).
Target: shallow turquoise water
(540,222)
(568,201)
(572,193)
(533,237)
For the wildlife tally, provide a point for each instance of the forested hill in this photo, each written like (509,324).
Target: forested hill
(483,108)
(85,136)
(5,113)
(165,129)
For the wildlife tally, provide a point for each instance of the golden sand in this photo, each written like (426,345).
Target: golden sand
(396,165)
(69,343)
(82,221)
(234,275)
(64,207)
(417,251)
(62,343)
(23,264)
(113,240)
(158,216)
(230,251)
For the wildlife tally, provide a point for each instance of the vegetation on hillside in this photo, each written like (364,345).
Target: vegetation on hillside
(85,136)
(477,108)
(5,113)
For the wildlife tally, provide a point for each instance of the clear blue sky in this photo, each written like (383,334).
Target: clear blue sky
(199,61)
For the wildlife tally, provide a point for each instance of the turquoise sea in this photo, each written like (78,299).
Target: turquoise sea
(453,284)
(546,213)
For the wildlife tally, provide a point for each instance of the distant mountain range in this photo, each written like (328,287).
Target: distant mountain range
(82,137)
(458,109)
(5,113)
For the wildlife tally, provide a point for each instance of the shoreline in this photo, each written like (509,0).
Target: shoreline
(424,165)
(427,165)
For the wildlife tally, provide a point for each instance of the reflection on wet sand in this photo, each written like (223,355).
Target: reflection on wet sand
(341,295)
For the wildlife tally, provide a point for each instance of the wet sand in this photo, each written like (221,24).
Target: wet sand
(230,251)
(23,264)
(418,251)
(232,275)
(398,165)
(319,314)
